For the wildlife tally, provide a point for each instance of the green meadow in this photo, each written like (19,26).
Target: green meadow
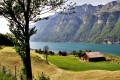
(75,64)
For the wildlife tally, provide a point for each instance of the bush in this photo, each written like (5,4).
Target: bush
(39,51)
(51,53)
(59,53)
(9,72)
(80,53)
(6,77)
(6,74)
(43,77)
(74,52)
(36,50)
(6,39)
(22,74)
(62,53)
(22,77)
(3,70)
(88,51)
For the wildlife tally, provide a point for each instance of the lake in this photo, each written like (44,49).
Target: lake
(64,46)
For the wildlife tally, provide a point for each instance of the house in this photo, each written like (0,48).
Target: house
(62,53)
(92,57)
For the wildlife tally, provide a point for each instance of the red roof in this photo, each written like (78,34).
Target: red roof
(94,54)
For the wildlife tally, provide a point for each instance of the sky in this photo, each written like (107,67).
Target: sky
(3,25)
(3,22)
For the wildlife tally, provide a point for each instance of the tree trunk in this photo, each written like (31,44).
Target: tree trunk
(46,55)
(28,67)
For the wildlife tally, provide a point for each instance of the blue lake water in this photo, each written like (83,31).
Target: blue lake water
(61,46)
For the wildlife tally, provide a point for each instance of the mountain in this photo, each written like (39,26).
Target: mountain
(89,24)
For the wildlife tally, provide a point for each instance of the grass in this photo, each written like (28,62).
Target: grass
(4,77)
(74,64)
(9,58)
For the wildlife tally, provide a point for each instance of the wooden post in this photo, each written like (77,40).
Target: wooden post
(0,66)
(38,73)
(15,71)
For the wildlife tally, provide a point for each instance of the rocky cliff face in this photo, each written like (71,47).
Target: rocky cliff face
(88,24)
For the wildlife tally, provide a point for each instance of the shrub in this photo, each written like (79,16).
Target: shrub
(39,51)
(80,53)
(74,52)
(36,50)
(6,39)
(88,51)
(22,77)
(43,77)
(4,70)
(59,53)
(9,72)
(62,53)
(51,53)
(22,74)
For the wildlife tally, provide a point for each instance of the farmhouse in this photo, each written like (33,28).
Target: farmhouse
(64,53)
(92,57)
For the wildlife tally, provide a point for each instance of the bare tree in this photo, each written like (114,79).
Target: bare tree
(46,48)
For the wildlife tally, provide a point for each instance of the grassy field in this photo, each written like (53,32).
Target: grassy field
(74,64)
(4,77)
(9,58)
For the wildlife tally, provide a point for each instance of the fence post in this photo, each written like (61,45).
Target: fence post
(15,71)
(0,67)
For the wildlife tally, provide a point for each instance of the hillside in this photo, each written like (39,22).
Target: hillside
(89,24)
(9,58)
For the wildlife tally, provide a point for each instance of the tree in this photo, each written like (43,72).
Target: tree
(6,39)
(60,53)
(43,77)
(51,53)
(88,51)
(39,51)
(80,53)
(19,14)
(74,52)
(46,48)
(36,50)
